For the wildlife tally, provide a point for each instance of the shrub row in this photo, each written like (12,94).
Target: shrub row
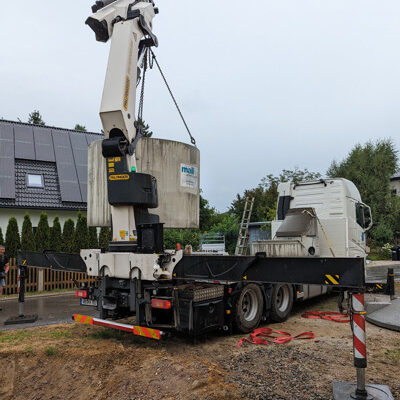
(70,239)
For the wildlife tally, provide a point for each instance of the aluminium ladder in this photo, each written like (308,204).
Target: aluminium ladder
(243,238)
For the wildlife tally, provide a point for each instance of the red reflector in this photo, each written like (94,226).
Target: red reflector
(159,303)
(81,293)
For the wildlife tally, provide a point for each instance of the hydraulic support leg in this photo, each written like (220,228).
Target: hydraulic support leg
(359,345)
(360,391)
(21,318)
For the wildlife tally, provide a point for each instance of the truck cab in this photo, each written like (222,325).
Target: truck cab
(322,218)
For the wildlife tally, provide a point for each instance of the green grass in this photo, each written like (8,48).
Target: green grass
(50,351)
(29,350)
(15,337)
(106,333)
(60,333)
(393,355)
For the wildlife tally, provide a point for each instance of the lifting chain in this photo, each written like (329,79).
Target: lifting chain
(149,58)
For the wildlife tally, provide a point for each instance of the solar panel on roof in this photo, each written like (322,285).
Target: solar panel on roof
(7,162)
(80,152)
(66,169)
(92,138)
(24,147)
(43,144)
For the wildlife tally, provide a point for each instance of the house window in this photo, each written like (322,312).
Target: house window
(34,180)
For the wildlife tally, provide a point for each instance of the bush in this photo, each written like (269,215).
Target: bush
(27,238)
(104,238)
(12,238)
(81,234)
(93,240)
(68,234)
(55,235)
(181,236)
(42,236)
(229,227)
(382,234)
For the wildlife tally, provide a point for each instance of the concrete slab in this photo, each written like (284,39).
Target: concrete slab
(345,390)
(374,302)
(50,309)
(387,317)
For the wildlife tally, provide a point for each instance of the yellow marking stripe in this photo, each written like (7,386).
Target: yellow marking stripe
(332,279)
(379,286)
(24,262)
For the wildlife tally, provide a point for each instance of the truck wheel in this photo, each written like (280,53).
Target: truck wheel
(281,303)
(248,308)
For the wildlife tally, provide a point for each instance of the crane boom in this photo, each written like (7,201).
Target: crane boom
(128,26)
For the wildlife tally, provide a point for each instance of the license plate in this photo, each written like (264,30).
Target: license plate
(88,302)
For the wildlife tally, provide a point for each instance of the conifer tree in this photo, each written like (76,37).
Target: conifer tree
(93,240)
(42,236)
(68,234)
(1,238)
(104,238)
(55,235)
(27,237)
(81,234)
(12,238)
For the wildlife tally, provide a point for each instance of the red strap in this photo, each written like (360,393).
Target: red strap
(328,315)
(273,336)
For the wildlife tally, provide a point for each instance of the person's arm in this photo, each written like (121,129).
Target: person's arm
(6,267)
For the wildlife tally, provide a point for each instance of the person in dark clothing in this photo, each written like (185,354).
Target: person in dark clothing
(4,267)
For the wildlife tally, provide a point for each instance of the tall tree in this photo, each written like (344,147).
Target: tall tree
(13,242)
(1,238)
(55,235)
(35,118)
(27,237)
(68,236)
(42,236)
(370,167)
(93,240)
(81,128)
(266,194)
(208,215)
(146,129)
(81,233)
(104,238)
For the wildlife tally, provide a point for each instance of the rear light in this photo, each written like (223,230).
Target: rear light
(159,303)
(81,293)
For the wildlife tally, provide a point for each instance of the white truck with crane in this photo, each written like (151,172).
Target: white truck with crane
(167,290)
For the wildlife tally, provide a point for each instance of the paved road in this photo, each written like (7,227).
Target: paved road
(53,309)
(376,273)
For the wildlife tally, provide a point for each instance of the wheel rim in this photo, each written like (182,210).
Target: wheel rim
(282,298)
(249,305)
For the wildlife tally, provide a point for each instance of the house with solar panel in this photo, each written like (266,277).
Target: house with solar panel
(42,169)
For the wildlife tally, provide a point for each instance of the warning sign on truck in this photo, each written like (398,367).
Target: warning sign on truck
(189,176)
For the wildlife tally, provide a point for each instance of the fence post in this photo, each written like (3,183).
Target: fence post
(40,282)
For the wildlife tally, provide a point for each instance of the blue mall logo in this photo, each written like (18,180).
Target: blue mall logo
(188,170)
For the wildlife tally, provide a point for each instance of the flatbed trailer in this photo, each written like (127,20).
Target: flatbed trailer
(210,292)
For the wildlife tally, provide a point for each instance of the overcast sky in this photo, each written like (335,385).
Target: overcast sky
(264,85)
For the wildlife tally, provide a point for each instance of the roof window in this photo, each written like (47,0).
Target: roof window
(34,180)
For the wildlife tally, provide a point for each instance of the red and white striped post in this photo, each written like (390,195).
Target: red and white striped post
(359,344)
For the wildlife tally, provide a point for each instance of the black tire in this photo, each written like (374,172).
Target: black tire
(248,308)
(281,302)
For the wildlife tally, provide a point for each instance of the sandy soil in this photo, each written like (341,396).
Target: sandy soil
(84,362)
